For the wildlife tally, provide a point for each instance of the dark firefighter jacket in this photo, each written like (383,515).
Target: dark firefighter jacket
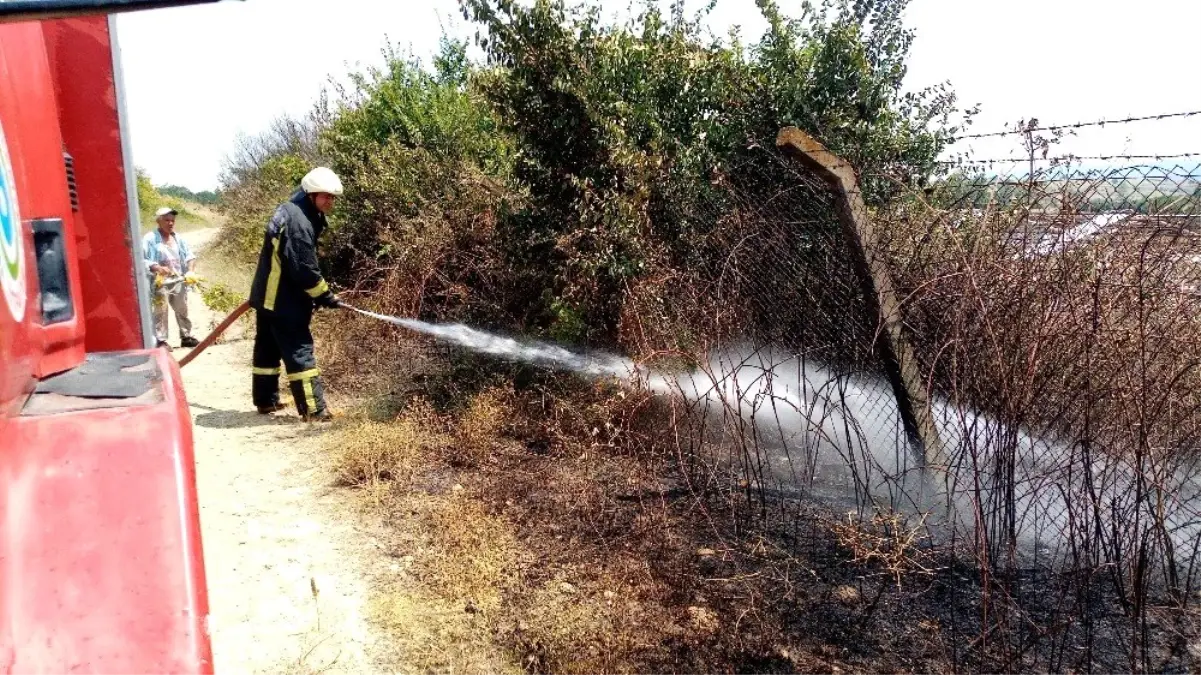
(287,279)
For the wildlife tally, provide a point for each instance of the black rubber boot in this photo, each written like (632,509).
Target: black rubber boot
(323,415)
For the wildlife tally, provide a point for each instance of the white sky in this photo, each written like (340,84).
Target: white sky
(196,77)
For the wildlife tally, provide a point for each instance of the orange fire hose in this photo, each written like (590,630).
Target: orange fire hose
(212,337)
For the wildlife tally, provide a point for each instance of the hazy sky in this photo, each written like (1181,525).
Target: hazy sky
(198,76)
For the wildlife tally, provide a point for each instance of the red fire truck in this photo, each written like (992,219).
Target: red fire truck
(101,568)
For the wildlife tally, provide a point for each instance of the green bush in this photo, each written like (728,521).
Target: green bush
(622,129)
(425,168)
(223,300)
(250,205)
(220,298)
(569,186)
(148,197)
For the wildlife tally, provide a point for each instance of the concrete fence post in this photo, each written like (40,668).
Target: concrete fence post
(900,364)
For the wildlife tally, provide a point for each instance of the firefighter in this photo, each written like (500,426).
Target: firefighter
(287,286)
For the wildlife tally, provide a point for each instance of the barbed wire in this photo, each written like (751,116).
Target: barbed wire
(1078,125)
(1071,158)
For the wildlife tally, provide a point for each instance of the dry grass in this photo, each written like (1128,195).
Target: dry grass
(481,429)
(474,557)
(227,275)
(454,559)
(441,610)
(472,595)
(568,629)
(366,453)
(431,634)
(544,526)
(553,549)
(374,452)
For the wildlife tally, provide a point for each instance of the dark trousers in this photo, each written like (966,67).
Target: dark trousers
(290,340)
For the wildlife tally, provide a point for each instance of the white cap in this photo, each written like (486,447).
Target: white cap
(165,211)
(319,180)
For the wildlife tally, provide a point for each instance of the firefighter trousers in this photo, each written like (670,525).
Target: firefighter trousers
(289,340)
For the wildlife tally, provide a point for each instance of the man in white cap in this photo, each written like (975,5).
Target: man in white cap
(169,258)
(287,286)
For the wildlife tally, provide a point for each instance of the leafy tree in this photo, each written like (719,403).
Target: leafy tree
(585,169)
(621,127)
(390,120)
(424,162)
(148,197)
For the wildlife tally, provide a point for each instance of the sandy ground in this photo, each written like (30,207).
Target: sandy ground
(287,557)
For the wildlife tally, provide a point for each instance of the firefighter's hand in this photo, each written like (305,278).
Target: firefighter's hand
(329,300)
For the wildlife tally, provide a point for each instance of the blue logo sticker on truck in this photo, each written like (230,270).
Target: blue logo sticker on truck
(12,254)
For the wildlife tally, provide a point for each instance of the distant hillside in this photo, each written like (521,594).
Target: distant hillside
(206,198)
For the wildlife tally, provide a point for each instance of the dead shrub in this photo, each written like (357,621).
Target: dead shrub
(889,540)
(481,427)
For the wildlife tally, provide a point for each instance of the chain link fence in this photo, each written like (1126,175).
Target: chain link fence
(995,372)
(979,392)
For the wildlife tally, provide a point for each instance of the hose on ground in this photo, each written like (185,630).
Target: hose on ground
(212,337)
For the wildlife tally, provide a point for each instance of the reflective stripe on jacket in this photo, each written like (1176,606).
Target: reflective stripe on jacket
(287,278)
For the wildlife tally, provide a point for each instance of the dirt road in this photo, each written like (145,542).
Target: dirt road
(287,560)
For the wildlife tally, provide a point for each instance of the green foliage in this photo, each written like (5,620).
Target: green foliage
(148,197)
(567,324)
(251,202)
(406,104)
(262,171)
(223,300)
(416,149)
(204,197)
(574,181)
(621,127)
(220,298)
(398,127)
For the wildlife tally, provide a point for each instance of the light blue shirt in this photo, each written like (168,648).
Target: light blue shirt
(155,251)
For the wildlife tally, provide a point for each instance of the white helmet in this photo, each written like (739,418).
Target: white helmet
(321,179)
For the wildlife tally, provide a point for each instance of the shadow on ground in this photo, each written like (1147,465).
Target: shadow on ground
(238,419)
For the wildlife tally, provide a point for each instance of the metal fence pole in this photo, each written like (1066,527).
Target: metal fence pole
(901,366)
